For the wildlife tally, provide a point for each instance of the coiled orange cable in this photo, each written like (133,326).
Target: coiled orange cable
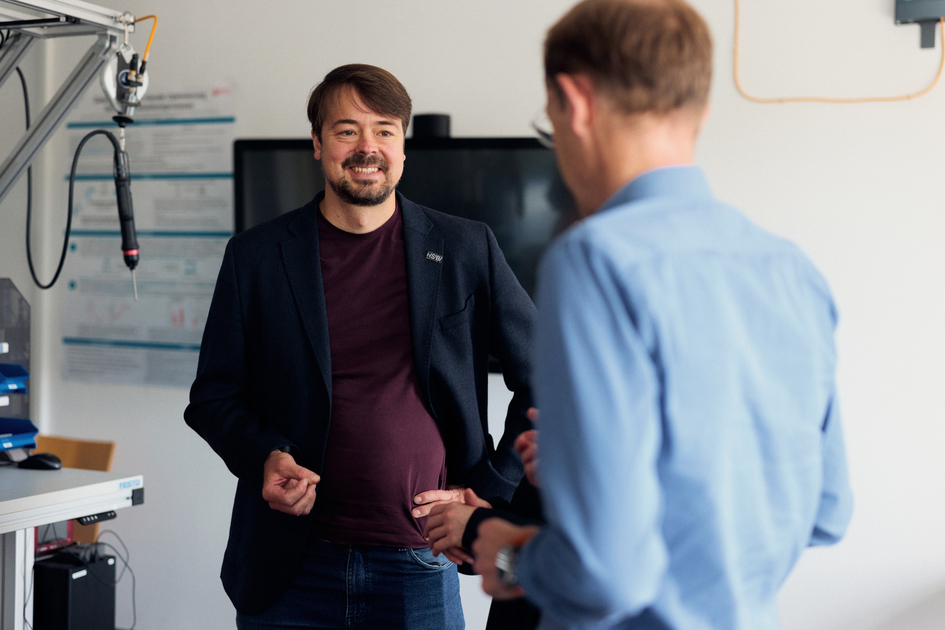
(819,99)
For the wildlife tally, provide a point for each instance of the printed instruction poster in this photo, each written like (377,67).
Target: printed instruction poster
(180,153)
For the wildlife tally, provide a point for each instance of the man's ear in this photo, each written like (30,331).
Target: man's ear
(703,119)
(579,99)
(317,145)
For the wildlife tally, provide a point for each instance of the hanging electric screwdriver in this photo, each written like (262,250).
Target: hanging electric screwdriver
(126,215)
(124,82)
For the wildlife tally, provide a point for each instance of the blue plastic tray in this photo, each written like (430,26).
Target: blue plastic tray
(13,378)
(17,433)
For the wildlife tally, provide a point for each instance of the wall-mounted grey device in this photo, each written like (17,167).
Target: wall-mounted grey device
(927,13)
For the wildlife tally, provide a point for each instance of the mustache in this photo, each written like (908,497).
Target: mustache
(365,160)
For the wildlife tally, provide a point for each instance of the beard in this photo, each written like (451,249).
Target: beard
(362,194)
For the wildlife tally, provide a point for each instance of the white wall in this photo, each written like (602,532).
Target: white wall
(855,185)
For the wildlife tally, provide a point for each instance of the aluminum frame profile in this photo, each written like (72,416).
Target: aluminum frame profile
(74,18)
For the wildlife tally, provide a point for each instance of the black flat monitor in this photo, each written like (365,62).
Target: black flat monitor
(511,184)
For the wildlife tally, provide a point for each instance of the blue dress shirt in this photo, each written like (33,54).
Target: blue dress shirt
(689,437)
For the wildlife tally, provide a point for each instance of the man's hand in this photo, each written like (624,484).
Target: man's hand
(495,533)
(526,445)
(446,524)
(426,500)
(288,487)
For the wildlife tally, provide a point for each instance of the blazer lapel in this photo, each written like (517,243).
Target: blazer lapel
(424,254)
(304,271)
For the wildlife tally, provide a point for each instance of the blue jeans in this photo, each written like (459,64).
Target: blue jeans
(353,587)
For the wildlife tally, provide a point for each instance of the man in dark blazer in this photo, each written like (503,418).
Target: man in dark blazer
(343,380)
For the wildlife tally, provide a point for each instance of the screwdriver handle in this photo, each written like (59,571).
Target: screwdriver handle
(126,215)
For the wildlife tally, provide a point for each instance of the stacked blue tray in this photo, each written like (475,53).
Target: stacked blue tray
(13,378)
(15,432)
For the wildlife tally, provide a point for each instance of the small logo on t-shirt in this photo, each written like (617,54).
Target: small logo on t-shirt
(434,257)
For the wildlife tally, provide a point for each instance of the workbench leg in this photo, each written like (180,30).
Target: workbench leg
(16,577)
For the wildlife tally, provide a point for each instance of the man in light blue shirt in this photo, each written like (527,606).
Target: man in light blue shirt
(690,444)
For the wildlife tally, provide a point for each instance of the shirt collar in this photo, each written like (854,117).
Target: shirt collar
(682,181)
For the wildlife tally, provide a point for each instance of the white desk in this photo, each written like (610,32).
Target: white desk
(29,498)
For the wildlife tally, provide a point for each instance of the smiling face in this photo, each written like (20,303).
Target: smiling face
(361,151)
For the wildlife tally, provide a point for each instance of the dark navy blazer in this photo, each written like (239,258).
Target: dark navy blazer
(264,374)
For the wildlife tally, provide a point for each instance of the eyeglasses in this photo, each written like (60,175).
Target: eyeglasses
(541,124)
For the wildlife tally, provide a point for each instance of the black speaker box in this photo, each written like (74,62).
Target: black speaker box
(433,125)
(74,594)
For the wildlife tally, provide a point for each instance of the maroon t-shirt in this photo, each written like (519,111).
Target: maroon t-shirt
(384,447)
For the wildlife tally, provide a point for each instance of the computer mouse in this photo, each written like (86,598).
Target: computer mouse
(41,461)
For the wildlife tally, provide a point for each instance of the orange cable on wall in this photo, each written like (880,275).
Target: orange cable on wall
(819,99)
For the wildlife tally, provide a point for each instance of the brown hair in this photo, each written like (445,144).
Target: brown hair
(646,55)
(378,88)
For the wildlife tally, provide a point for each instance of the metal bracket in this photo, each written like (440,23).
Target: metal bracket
(927,30)
(57,18)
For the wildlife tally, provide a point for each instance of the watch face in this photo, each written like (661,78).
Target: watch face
(505,565)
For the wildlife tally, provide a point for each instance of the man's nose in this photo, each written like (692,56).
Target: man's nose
(366,145)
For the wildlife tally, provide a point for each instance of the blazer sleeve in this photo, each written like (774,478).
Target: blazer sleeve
(218,408)
(512,316)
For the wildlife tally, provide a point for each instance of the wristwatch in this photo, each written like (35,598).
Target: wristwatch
(505,562)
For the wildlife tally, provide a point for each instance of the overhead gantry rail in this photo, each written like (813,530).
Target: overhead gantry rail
(48,19)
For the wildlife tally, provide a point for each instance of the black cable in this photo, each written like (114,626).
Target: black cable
(29,593)
(29,181)
(65,242)
(44,535)
(127,556)
(29,170)
(29,178)
(29,189)
(26,97)
(125,561)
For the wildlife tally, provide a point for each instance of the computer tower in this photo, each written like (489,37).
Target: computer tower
(73,593)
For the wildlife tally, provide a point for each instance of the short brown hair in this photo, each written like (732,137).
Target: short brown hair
(646,55)
(378,88)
